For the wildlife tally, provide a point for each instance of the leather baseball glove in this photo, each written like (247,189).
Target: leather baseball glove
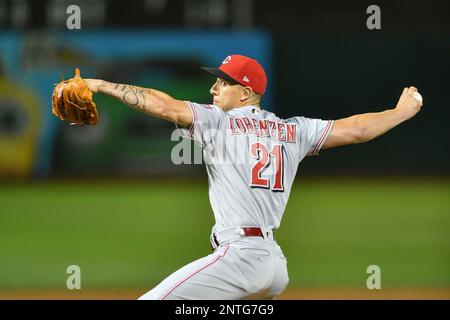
(72,101)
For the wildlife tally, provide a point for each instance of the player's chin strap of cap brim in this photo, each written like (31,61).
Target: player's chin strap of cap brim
(220,74)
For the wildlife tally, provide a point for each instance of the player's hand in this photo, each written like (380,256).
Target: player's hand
(93,84)
(408,106)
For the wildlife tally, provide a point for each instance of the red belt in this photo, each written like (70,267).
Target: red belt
(245,232)
(252,232)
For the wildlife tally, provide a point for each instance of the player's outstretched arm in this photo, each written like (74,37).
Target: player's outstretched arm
(150,101)
(365,127)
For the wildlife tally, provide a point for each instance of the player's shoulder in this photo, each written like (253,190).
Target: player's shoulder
(202,110)
(272,116)
(298,120)
(203,106)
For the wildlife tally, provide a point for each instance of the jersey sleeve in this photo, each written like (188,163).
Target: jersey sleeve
(312,134)
(207,120)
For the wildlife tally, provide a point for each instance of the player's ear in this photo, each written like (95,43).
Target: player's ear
(246,93)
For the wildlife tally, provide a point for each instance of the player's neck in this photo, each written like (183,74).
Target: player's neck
(252,103)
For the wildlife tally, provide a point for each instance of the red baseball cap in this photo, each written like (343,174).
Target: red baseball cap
(243,70)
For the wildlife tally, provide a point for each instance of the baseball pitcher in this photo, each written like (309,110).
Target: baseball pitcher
(251,157)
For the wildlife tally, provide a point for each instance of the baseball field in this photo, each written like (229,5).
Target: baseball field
(126,236)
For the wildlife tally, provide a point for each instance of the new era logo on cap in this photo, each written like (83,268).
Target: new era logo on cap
(243,70)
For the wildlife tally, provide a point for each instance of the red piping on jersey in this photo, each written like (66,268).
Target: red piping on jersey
(194,120)
(194,273)
(324,134)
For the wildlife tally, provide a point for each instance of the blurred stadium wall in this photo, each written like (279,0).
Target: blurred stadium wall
(321,59)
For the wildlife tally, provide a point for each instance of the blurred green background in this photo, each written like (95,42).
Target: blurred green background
(134,234)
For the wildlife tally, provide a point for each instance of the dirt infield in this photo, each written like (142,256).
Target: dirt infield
(289,294)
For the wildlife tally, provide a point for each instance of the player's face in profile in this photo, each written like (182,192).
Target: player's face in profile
(226,95)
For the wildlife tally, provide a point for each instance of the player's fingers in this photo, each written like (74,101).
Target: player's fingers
(412,89)
(403,95)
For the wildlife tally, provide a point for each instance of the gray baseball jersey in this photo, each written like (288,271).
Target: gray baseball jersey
(251,157)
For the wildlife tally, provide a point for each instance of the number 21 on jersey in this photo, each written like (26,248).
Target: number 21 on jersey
(260,152)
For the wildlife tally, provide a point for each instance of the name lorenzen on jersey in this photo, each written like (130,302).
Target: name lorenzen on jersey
(263,128)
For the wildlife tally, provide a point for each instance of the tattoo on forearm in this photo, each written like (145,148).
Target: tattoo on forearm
(132,96)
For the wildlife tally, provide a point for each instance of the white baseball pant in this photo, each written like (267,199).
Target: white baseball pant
(239,268)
